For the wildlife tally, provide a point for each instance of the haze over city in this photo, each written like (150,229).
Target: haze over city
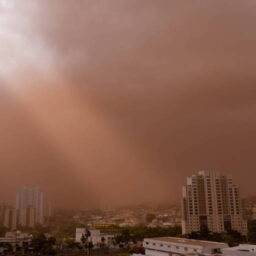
(118,101)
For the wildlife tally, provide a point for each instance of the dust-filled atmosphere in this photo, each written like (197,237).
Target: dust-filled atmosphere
(118,101)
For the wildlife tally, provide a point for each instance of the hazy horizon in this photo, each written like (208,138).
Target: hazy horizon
(120,100)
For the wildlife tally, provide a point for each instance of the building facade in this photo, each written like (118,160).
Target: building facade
(28,199)
(27,217)
(241,250)
(10,218)
(174,246)
(96,237)
(211,201)
(3,208)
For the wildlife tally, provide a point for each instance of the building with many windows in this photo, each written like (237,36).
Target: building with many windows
(211,201)
(30,201)
(10,218)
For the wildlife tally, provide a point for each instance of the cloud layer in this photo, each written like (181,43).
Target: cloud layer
(118,101)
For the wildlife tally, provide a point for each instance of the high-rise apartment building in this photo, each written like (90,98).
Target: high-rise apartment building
(211,201)
(10,218)
(28,198)
(27,217)
(3,208)
(48,211)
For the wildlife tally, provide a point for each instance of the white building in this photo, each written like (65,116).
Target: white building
(211,201)
(79,233)
(31,197)
(96,237)
(241,250)
(173,246)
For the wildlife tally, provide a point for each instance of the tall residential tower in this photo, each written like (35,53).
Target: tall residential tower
(211,201)
(27,200)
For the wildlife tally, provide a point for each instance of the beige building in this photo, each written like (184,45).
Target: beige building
(27,217)
(31,197)
(10,218)
(3,207)
(211,201)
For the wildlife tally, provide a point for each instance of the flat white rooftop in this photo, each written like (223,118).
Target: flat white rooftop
(184,241)
(243,248)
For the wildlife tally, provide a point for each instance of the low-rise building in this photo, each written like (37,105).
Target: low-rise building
(79,233)
(14,239)
(173,246)
(96,237)
(241,250)
(98,225)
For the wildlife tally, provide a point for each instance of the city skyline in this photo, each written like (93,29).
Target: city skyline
(108,204)
(127,128)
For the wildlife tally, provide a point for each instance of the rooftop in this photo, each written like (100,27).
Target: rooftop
(183,241)
(243,247)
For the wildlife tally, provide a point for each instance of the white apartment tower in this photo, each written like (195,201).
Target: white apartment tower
(28,198)
(211,201)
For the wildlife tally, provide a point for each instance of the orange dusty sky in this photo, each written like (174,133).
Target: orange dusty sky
(117,101)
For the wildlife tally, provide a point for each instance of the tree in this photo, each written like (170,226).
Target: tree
(231,237)
(3,230)
(252,231)
(86,244)
(43,245)
(103,240)
(227,238)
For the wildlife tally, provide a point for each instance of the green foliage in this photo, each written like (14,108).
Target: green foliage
(71,243)
(66,231)
(43,245)
(83,239)
(90,245)
(123,254)
(252,231)
(231,237)
(138,233)
(3,230)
